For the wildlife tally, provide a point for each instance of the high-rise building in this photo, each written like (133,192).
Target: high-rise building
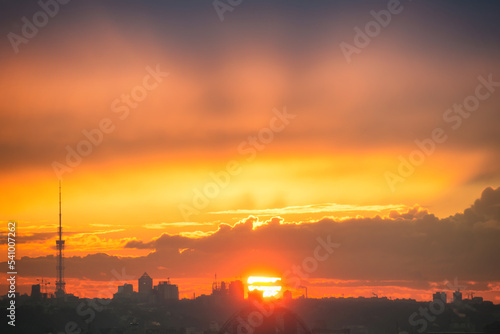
(36,292)
(439,296)
(125,291)
(167,291)
(126,288)
(145,284)
(457,296)
(237,290)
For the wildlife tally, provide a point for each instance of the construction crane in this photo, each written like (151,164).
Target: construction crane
(44,284)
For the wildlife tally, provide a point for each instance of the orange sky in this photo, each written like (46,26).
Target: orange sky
(260,119)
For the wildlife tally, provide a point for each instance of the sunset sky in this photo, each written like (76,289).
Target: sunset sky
(188,145)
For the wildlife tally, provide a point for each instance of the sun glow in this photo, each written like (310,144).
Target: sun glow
(269,286)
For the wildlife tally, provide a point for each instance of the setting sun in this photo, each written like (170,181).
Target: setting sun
(270,286)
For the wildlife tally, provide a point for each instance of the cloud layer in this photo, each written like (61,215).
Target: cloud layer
(412,249)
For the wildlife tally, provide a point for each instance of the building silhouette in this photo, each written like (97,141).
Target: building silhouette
(457,296)
(237,290)
(145,285)
(125,291)
(126,288)
(167,291)
(439,296)
(36,293)
(218,288)
(477,300)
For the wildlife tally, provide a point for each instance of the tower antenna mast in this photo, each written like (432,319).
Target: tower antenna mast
(60,284)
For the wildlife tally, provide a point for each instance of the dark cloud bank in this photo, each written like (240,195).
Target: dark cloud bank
(415,248)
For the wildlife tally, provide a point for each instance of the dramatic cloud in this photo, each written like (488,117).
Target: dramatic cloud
(404,249)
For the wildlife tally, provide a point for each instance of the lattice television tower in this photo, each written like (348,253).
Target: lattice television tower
(60,284)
